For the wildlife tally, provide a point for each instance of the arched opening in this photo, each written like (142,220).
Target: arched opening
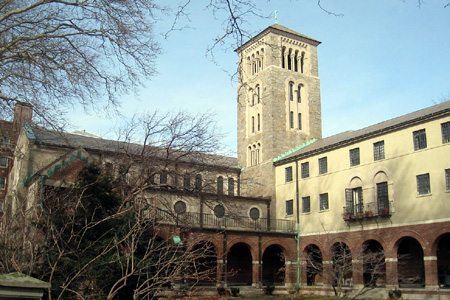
(374,266)
(443,260)
(220,185)
(410,266)
(342,265)
(314,265)
(239,265)
(273,266)
(204,267)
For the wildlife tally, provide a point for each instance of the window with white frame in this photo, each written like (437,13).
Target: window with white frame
(305,170)
(323,199)
(323,165)
(354,157)
(445,128)
(354,201)
(289,207)
(288,174)
(420,139)
(378,150)
(382,196)
(306,204)
(423,184)
(2,183)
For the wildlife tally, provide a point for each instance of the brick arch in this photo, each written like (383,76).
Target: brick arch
(244,241)
(283,245)
(397,239)
(377,238)
(436,238)
(338,239)
(217,247)
(318,245)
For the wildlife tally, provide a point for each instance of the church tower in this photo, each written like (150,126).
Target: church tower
(278,103)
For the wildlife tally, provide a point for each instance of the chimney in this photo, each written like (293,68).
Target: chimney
(22,114)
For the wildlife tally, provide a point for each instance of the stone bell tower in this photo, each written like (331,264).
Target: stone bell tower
(278,103)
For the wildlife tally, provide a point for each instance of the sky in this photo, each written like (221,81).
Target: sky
(378,60)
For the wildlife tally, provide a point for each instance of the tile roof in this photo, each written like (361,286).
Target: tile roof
(68,140)
(349,137)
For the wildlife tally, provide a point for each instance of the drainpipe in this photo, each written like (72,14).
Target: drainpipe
(297,238)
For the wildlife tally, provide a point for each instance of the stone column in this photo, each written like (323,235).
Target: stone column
(431,272)
(255,273)
(219,270)
(391,273)
(357,273)
(327,273)
(287,273)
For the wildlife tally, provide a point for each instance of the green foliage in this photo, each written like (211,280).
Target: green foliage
(235,292)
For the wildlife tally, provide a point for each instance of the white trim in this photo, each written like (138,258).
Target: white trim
(425,258)
(390,259)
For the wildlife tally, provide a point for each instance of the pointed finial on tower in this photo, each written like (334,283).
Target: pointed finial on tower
(276,16)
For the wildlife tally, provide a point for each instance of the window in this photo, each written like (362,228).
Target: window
(354,201)
(306,204)
(291,119)
(3,161)
(382,196)
(323,165)
(423,184)
(378,150)
(198,182)
(163,178)
(253,124)
(291,91)
(289,207)
(220,185)
(254,214)
(2,183)
(445,127)
(305,169)
(300,121)
(230,187)
(288,174)
(447,179)
(299,93)
(258,94)
(5,141)
(180,207)
(323,201)
(219,211)
(259,122)
(187,181)
(420,139)
(354,157)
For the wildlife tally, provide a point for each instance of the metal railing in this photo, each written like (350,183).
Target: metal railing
(369,210)
(210,221)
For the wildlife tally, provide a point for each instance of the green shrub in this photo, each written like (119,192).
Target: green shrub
(235,292)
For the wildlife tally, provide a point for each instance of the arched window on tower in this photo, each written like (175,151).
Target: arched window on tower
(258,94)
(259,122)
(300,121)
(289,59)
(302,62)
(291,91)
(253,124)
(258,153)
(299,93)
(296,61)
(291,119)
(283,53)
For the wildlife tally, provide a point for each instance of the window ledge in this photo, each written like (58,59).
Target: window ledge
(306,213)
(324,210)
(424,195)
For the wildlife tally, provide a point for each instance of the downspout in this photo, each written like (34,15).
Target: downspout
(297,238)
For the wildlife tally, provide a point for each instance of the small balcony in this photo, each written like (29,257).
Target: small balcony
(227,222)
(369,210)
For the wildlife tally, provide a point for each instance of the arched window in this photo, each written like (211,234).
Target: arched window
(300,121)
(299,93)
(220,185)
(291,91)
(354,198)
(258,94)
(187,181)
(382,204)
(296,61)
(291,119)
(198,182)
(283,53)
(259,122)
(253,124)
(289,59)
(230,186)
(258,153)
(302,62)
(163,177)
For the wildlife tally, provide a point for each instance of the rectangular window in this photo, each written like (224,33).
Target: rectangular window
(299,93)
(306,204)
(378,150)
(3,161)
(323,165)
(354,201)
(354,157)
(382,196)
(420,139)
(230,186)
(291,119)
(288,174)
(445,127)
(163,178)
(187,181)
(423,184)
(300,121)
(291,91)
(253,124)
(259,122)
(2,183)
(289,207)
(305,169)
(447,179)
(323,201)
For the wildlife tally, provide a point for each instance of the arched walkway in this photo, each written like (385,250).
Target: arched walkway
(443,260)
(273,266)
(314,264)
(204,268)
(342,265)
(374,267)
(410,266)
(239,265)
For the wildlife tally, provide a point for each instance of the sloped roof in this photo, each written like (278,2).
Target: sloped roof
(349,137)
(66,140)
(282,30)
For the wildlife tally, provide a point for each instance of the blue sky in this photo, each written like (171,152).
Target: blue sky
(380,60)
